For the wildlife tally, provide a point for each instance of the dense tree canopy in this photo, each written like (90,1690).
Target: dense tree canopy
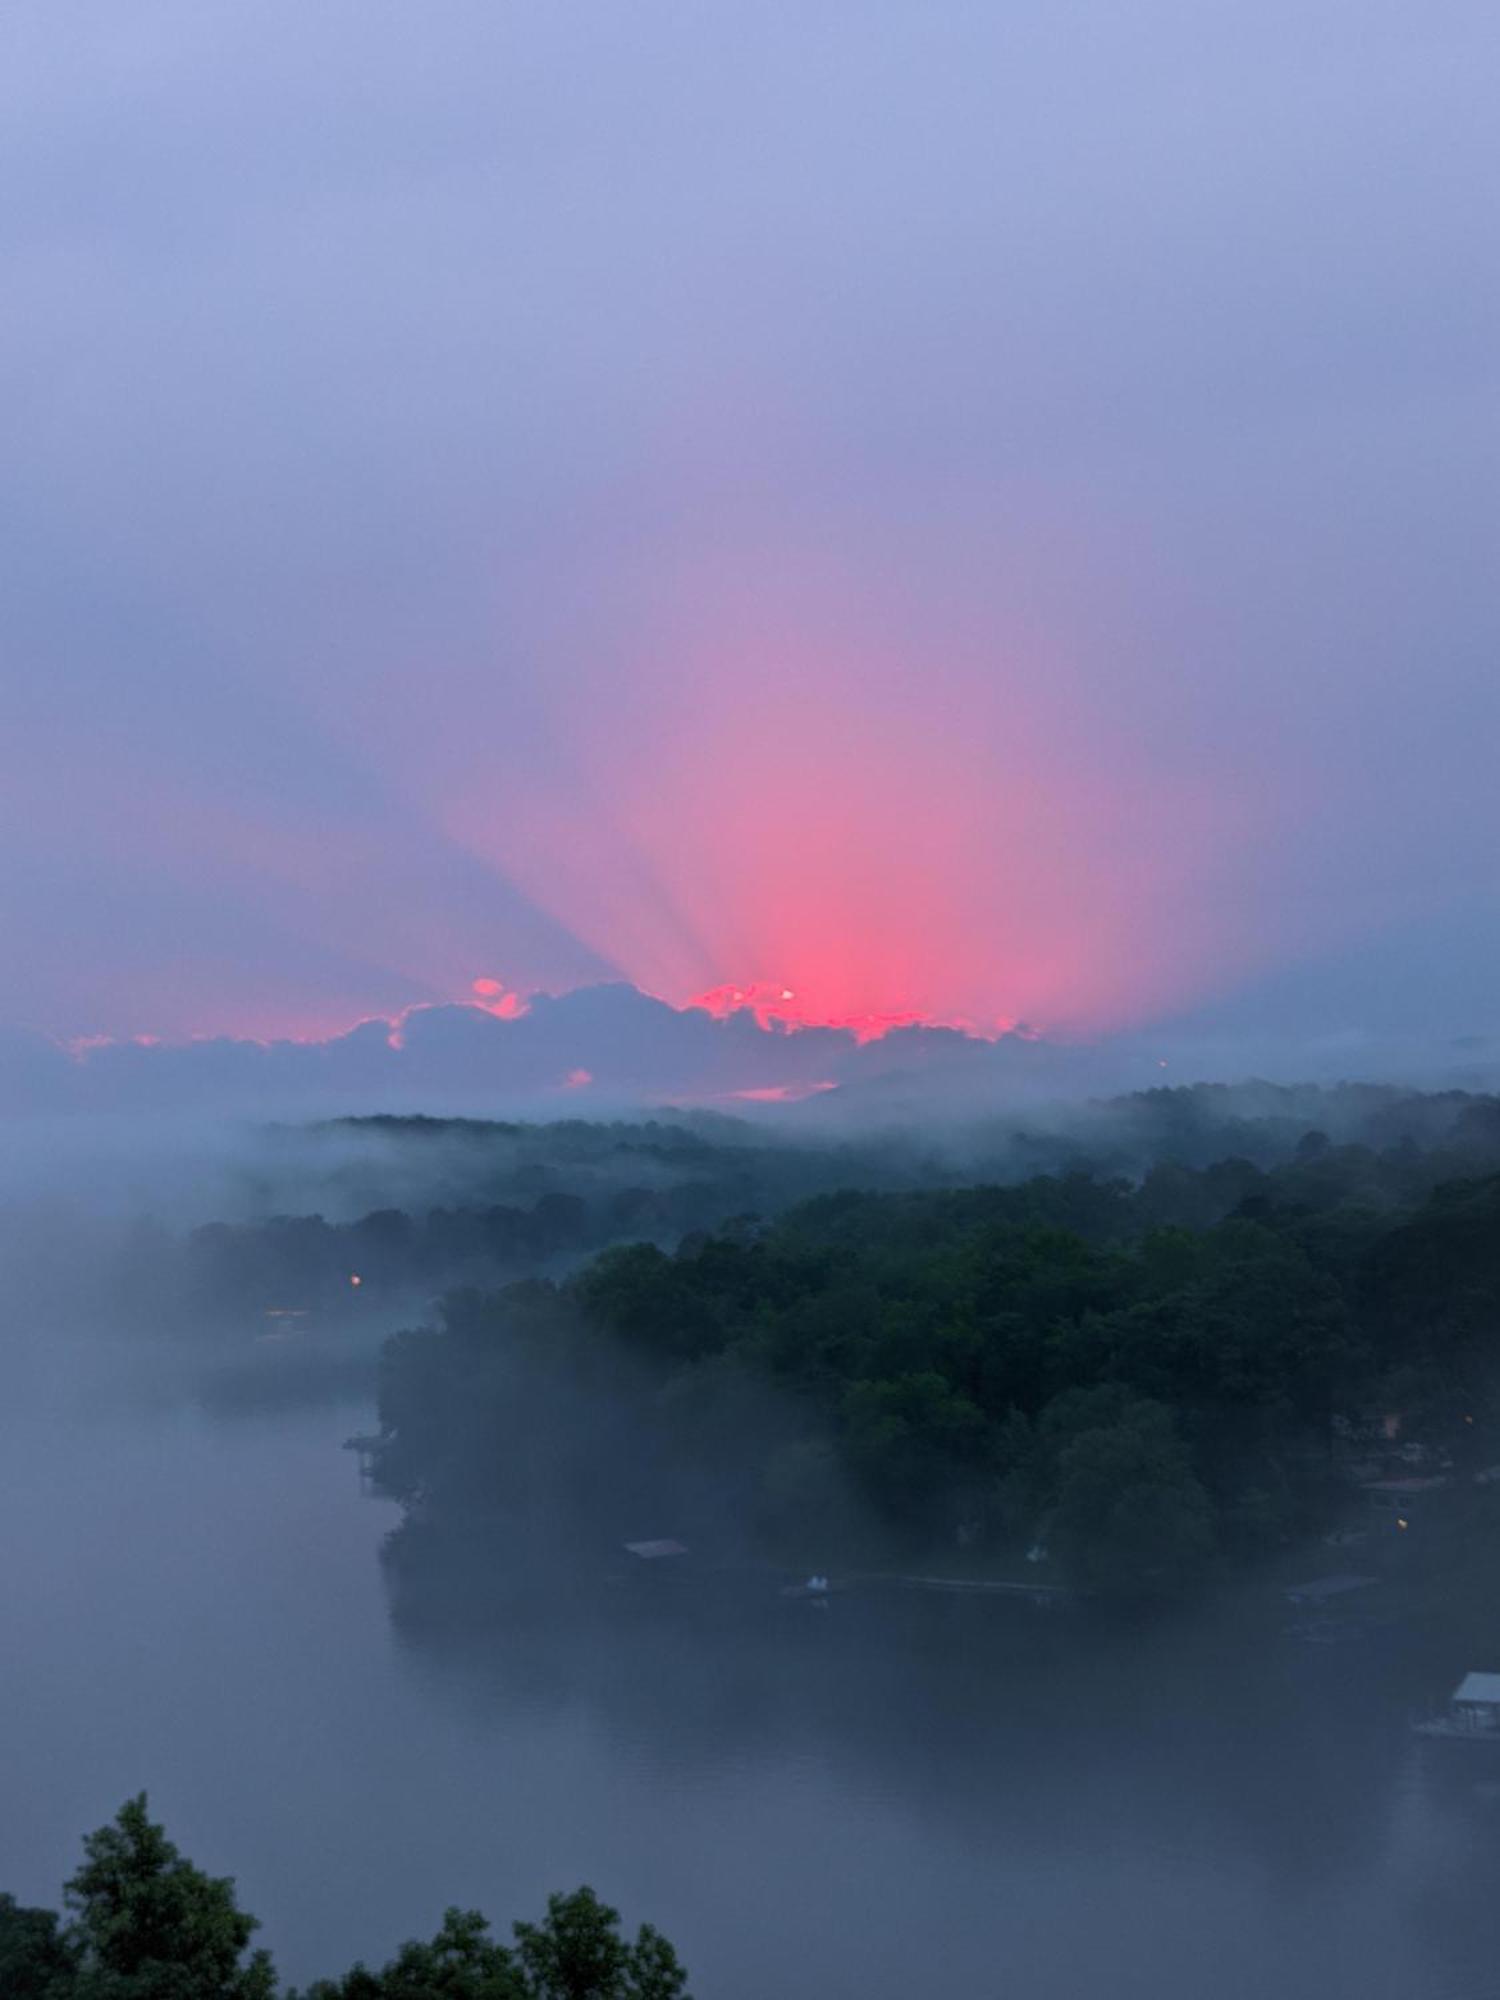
(413,1206)
(1141,1375)
(147,1925)
(575,1953)
(37,1960)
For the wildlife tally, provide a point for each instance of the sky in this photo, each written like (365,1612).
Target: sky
(982,513)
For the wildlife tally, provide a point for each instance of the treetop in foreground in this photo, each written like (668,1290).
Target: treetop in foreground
(145,1924)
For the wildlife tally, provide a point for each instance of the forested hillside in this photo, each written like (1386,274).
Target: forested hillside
(1149,1380)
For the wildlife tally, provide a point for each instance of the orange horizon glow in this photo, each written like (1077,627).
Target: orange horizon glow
(791,1008)
(775,1010)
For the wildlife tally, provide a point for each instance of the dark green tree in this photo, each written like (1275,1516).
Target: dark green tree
(463,1962)
(37,1961)
(914,1441)
(577,1953)
(1131,1517)
(148,1925)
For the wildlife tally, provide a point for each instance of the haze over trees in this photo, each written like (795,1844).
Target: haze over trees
(1135,1372)
(417,1205)
(1122,1336)
(1146,1377)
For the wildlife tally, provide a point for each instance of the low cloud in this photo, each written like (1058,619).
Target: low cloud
(606,1048)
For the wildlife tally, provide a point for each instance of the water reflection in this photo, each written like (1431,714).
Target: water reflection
(899,1797)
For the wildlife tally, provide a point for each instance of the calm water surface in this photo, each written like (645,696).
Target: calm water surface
(939,1803)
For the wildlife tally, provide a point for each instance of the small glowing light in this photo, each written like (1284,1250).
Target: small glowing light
(1402,1522)
(787,993)
(1468,1420)
(355,1279)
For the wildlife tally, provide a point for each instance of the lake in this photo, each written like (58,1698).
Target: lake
(929,1799)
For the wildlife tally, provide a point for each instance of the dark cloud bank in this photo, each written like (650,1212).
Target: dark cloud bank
(608,1047)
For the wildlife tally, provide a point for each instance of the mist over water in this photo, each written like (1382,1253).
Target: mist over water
(911,1795)
(748,809)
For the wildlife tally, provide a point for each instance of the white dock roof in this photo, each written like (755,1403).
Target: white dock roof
(1480,1688)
